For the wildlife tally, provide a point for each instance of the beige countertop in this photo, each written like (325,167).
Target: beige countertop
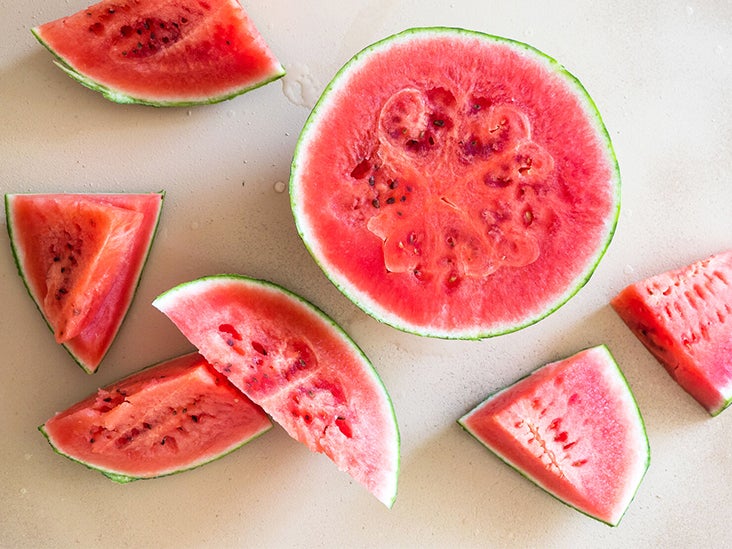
(660,73)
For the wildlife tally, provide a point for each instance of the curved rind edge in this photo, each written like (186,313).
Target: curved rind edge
(338,330)
(643,430)
(125,99)
(591,109)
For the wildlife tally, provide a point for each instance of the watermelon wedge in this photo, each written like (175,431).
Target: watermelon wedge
(167,418)
(684,318)
(162,52)
(302,369)
(81,257)
(573,428)
(455,184)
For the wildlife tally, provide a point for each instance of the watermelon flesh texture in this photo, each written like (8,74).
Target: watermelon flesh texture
(168,418)
(162,52)
(455,184)
(81,258)
(574,429)
(295,363)
(684,318)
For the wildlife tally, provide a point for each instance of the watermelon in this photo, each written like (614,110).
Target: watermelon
(162,52)
(573,428)
(81,257)
(167,418)
(299,366)
(455,184)
(684,318)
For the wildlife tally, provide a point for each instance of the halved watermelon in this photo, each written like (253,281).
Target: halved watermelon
(684,318)
(162,52)
(81,257)
(168,418)
(455,184)
(299,366)
(573,428)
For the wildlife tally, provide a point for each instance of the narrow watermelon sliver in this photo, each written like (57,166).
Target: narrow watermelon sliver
(684,318)
(168,418)
(573,428)
(294,362)
(162,52)
(110,236)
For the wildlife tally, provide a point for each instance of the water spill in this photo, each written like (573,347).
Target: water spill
(300,87)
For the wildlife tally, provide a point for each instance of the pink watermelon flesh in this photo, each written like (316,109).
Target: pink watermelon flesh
(162,52)
(299,367)
(81,257)
(574,429)
(168,418)
(684,318)
(455,184)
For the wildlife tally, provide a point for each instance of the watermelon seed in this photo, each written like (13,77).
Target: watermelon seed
(579,463)
(375,203)
(259,348)
(390,200)
(372,180)
(438,123)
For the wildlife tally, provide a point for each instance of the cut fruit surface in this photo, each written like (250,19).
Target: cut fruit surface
(303,370)
(455,184)
(573,428)
(162,52)
(81,257)
(168,418)
(684,318)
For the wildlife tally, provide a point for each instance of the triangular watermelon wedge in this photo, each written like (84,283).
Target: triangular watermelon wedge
(162,52)
(572,427)
(81,257)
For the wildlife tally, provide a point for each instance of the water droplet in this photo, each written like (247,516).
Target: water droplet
(629,270)
(195,225)
(689,10)
(280,187)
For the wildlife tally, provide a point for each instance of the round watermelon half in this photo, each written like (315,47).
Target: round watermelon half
(455,184)
(299,366)
(168,418)
(162,52)
(573,427)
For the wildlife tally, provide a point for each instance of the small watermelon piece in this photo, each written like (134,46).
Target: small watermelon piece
(81,257)
(573,428)
(299,366)
(162,52)
(455,184)
(167,418)
(684,318)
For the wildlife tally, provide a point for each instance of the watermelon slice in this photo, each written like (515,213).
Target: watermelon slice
(573,428)
(302,369)
(168,418)
(455,184)
(684,318)
(162,52)
(81,257)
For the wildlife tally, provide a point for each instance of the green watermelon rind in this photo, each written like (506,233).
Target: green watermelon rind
(644,432)
(373,308)
(122,478)
(119,97)
(19,268)
(337,330)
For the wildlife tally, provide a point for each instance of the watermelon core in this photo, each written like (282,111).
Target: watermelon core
(455,184)
(168,418)
(683,318)
(573,428)
(162,52)
(294,362)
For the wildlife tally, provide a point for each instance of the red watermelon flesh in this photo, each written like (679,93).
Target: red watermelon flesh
(684,318)
(168,418)
(295,363)
(573,428)
(455,184)
(162,52)
(81,257)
